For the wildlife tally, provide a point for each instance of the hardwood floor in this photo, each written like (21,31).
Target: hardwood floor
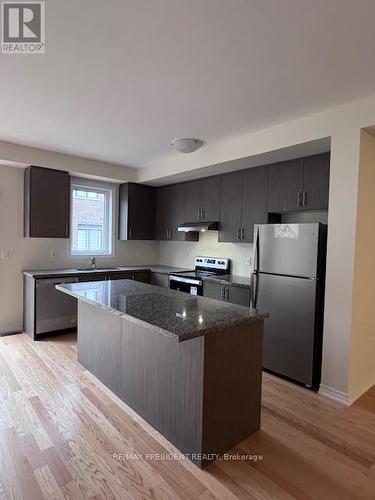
(60,431)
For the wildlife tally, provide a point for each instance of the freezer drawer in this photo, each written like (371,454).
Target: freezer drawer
(288,345)
(54,310)
(289,249)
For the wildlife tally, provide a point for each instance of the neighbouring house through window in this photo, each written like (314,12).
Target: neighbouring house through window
(92,223)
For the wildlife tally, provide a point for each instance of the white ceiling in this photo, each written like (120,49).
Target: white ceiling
(121,78)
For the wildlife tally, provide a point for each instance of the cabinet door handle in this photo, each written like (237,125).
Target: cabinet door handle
(130,232)
(242,233)
(222,293)
(299,199)
(227,293)
(202,214)
(239,233)
(304,199)
(199,213)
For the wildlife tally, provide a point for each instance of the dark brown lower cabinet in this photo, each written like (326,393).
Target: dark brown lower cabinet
(229,293)
(160,279)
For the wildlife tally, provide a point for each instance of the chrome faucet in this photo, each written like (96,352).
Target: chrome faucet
(93,263)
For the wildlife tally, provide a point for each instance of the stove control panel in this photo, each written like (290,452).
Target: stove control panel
(221,264)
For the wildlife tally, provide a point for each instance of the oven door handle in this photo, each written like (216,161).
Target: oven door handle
(188,281)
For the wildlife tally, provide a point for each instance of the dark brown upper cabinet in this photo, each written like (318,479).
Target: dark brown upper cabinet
(46,203)
(202,200)
(230,207)
(136,212)
(170,214)
(316,182)
(243,204)
(285,186)
(254,201)
(301,184)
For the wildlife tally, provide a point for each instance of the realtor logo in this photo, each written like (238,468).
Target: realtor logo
(23,29)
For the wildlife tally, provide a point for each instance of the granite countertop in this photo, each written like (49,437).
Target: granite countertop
(54,273)
(177,314)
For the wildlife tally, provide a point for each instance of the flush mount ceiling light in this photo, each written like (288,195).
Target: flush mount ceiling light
(186,144)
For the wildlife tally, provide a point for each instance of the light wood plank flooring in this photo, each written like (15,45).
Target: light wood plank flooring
(60,429)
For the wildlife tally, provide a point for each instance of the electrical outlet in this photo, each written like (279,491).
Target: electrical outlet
(4,254)
(248,261)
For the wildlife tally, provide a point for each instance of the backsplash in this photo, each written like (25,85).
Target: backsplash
(182,254)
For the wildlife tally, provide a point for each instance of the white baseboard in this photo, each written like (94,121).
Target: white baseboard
(339,396)
(9,328)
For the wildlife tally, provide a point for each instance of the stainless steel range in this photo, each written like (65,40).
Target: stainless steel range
(192,281)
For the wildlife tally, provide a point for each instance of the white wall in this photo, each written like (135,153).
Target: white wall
(183,253)
(34,253)
(73,164)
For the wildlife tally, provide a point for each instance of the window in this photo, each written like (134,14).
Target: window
(92,226)
(89,238)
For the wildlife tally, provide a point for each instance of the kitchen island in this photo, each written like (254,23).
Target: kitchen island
(190,366)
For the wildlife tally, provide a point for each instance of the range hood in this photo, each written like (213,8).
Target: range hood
(202,226)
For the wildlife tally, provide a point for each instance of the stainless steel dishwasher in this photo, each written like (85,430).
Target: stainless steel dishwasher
(54,310)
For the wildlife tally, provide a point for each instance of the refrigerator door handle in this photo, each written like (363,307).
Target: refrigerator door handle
(254,290)
(255,277)
(256,249)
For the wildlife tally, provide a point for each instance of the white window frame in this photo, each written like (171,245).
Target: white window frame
(111,192)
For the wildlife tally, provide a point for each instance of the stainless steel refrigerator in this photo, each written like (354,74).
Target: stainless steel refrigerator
(288,282)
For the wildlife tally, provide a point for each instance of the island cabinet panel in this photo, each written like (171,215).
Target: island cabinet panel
(136,212)
(202,394)
(232,386)
(46,203)
(285,186)
(99,344)
(316,182)
(166,388)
